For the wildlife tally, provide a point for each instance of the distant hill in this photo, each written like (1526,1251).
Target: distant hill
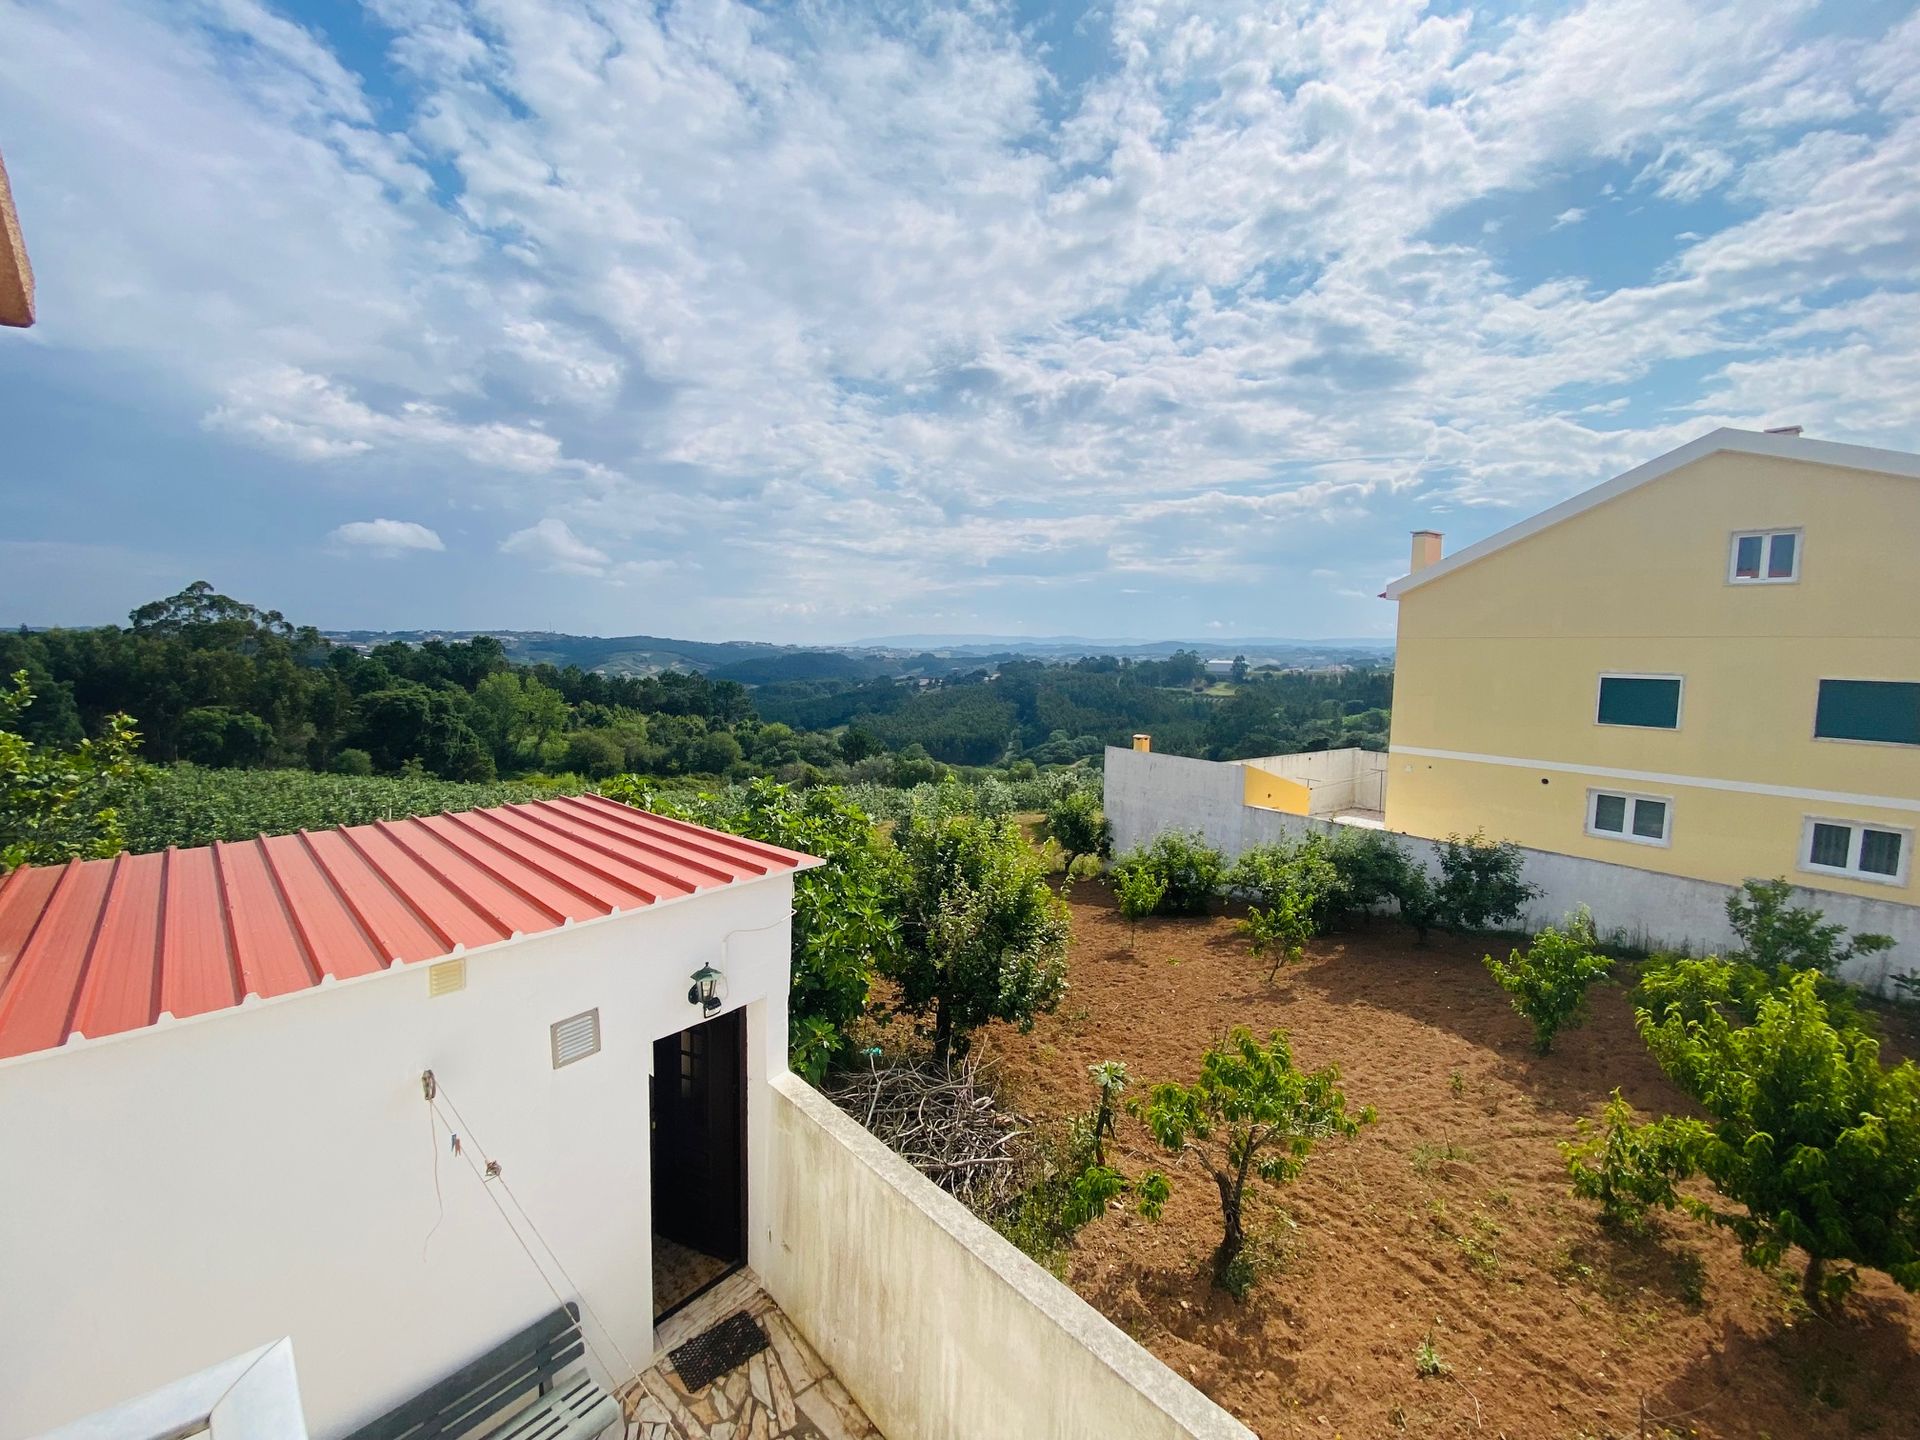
(754,662)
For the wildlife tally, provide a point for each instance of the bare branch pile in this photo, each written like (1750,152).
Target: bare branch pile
(945,1121)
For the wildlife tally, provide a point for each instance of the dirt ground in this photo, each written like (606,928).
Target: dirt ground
(1450,1217)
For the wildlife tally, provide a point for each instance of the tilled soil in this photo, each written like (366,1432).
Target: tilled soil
(1449,1218)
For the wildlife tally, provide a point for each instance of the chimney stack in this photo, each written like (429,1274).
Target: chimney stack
(1143,742)
(1426,549)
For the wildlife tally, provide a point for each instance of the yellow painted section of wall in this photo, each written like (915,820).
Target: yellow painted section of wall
(1274,792)
(1504,656)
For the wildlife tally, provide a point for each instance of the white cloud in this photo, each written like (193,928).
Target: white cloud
(552,544)
(827,293)
(389,538)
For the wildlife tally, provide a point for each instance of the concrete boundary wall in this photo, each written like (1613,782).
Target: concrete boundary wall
(936,1325)
(1148,794)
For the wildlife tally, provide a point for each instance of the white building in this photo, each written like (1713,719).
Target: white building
(230,1082)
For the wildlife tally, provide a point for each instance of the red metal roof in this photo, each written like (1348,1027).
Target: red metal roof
(97,947)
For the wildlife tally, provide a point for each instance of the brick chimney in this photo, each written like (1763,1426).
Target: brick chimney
(1426,550)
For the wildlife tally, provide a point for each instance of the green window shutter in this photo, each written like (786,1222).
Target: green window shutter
(1650,704)
(1883,710)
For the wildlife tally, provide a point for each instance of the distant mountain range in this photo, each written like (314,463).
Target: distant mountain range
(759,663)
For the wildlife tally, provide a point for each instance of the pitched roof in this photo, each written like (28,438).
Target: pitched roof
(98,947)
(1742,442)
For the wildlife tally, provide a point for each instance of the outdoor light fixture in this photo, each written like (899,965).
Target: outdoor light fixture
(708,990)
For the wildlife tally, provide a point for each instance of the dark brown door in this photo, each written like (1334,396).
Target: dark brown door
(699,1137)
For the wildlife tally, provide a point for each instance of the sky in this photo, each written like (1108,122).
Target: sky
(811,322)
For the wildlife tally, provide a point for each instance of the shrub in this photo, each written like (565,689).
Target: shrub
(1480,886)
(1270,875)
(57,803)
(1077,826)
(985,938)
(1781,936)
(1191,871)
(1548,981)
(1250,1116)
(1372,870)
(352,762)
(1809,1134)
(1628,1167)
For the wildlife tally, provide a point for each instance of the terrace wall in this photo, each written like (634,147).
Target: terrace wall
(1148,794)
(938,1326)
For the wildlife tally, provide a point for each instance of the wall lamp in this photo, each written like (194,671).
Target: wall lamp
(708,991)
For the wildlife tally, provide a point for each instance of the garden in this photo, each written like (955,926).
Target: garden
(1354,1161)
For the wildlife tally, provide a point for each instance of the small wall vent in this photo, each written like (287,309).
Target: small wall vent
(446,977)
(576,1037)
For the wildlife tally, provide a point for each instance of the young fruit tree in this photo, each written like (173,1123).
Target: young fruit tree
(1778,935)
(1250,1116)
(1628,1167)
(985,937)
(1281,932)
(1139,890)
(1807,1132)
(1548,980)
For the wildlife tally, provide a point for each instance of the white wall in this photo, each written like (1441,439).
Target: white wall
(174,1196)
(1345,779)
(1148,793)
(939,1327)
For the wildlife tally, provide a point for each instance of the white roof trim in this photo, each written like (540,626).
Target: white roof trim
(1743,442)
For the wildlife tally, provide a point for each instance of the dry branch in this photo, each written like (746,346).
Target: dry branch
(946,1122)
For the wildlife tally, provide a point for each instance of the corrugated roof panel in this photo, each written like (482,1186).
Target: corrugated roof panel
(336,939)
(196,958)
(48,969)
(399,929)
(268,949)
(104,946)
(122,987)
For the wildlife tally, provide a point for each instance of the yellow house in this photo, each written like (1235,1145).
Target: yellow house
(1708,666)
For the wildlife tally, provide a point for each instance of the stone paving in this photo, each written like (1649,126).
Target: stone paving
(784,1391)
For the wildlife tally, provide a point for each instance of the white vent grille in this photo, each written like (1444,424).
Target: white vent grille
(576,1037)
(446,977)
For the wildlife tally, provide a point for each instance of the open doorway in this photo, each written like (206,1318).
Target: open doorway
(699,1159)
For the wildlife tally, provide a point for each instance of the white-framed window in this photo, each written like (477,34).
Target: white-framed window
(1856,849)
(1640,702)
(1764,557)
(1622,815)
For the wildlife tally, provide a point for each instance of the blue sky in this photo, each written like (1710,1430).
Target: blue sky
(811,323)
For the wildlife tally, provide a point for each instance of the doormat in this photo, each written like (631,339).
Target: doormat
(712,1353)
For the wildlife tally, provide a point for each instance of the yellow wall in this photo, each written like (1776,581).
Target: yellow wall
(1275,792)
(1502,659)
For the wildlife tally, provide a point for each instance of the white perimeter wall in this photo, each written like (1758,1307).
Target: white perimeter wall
(939,1327)
(176,1196)
(1147,794)
(1345,779)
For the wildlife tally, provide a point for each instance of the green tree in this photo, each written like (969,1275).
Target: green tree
(1548,981)
(595,753)
(1250,1116)
(1280,931)
(1807,1132)
(1780,936)
(1480,885)
(1077,826)
(1191,871)
(986,938)
(56,802)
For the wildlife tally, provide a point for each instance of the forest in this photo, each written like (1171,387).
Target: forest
(220,683)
